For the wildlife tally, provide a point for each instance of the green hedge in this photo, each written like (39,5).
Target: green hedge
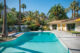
(74,32)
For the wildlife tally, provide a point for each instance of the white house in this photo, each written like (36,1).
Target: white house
(65,25)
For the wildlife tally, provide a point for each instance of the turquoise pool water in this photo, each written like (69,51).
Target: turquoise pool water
(34,42)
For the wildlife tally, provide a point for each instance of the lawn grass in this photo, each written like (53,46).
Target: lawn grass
(74,31)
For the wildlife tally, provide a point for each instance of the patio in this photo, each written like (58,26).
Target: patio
(71,41)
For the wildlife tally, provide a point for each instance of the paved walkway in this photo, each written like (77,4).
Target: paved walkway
(17,35)
(71,41)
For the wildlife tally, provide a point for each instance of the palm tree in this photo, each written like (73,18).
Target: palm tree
(36,15)
(13,9)
(57,12)
(72,7)
(19,15)
(77,8)
(30,14)
(74,4)
(1,8)
(5,30)
(42,16)
(11,18)
(67,10)
(24,7)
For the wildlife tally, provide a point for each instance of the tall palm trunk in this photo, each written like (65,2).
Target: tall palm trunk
(77,13)
(19,15)
(72,14)
(23,10)
(0,15)
(5,30)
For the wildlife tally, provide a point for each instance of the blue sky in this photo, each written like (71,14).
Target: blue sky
(41,5)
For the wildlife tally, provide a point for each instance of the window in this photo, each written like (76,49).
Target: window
(54,26)
(71,27)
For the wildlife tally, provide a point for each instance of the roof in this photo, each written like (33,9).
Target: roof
(56,21)
(63,21)
(77,20)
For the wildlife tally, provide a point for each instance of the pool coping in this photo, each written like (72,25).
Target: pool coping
(17,35)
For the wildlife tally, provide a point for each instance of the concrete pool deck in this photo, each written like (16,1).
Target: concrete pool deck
(71,41)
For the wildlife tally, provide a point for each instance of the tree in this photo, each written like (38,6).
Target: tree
(5,30)
(13,9)
(36,15)
(30,14)
(74,7)
(24,7)
(1,21)
(1,8)
(19,20)
(11,18)
(57,12)
(22,15)
(42,16)
(29,18)
(67,10)
(77,8)
(34,20)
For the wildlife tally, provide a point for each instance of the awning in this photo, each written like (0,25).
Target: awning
(77,20)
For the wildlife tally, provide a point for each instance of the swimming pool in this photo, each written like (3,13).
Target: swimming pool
(34,42)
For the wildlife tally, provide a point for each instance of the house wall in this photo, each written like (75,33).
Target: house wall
(64,27)
(77,27)
(60,27)
(50,26)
